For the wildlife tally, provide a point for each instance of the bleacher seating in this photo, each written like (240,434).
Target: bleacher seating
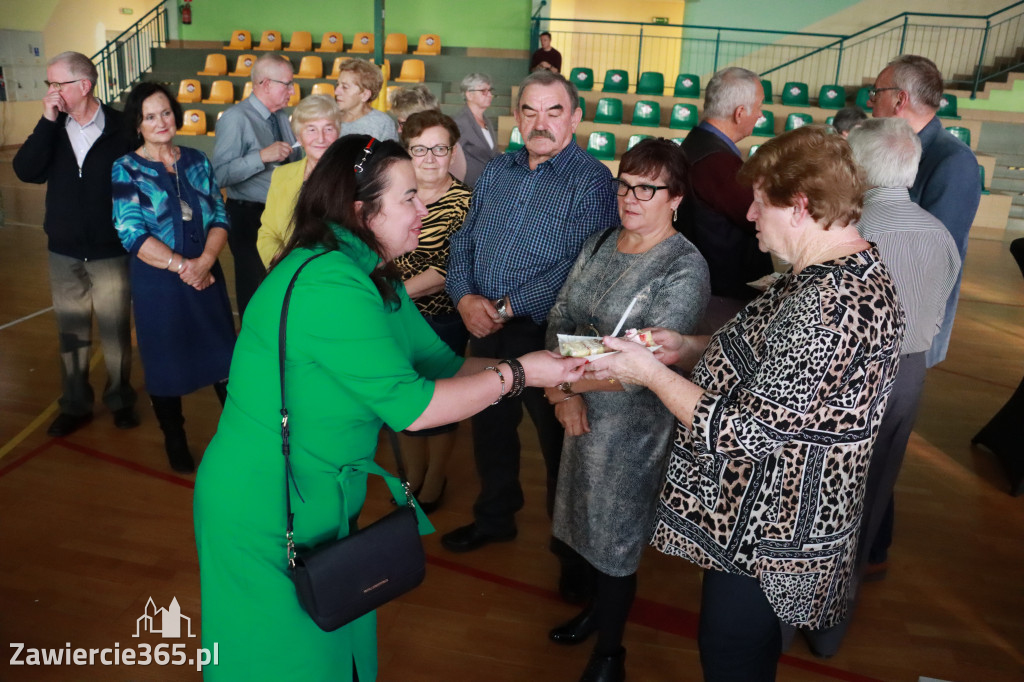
(609,110)
(247,90)
(221,92)
(332,42)
(616,80)
(961,133)
(413,71)
(797,120)
(651,83)
(396,43)
(687,85)
(243,65)
(336,69)
(582,78)
(636,139)
(766,85)
(216,65)
(240,40)
(310,67)
(684,116)
(189,91)
(601,145)
(765,126)
(302,41)
(515,142)
(832,97)
(794,94)
(947,107)
(362,43)
(864,98)
(647,113)
(193,122)
(270,41)
(981,179)
(583,108)
(323,89)
(296,95)
(429,44)
(753,148)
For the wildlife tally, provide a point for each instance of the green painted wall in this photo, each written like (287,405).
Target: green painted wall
(776,15)
(998,100)
(460,23)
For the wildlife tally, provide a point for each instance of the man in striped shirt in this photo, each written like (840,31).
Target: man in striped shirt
(924,263)
(530,214)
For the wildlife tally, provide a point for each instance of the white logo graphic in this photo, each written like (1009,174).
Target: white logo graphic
(687,82)
(165,622)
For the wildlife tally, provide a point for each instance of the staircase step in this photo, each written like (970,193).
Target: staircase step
(1008,185)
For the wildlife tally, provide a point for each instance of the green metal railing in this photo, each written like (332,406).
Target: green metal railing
(968,49)
(123,60)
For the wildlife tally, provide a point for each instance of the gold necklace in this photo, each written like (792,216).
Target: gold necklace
(592,325)
(186,210)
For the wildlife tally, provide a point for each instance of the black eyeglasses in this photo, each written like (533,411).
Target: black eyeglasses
(57,85)
(873,92)
(640,192)
(436,150)
(287,84)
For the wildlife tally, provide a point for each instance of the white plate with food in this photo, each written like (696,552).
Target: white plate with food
(591,348)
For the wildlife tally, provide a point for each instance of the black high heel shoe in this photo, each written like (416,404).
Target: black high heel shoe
(431,507)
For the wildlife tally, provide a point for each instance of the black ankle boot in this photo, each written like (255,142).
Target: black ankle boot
(172,423)
(578,629)
(606,668)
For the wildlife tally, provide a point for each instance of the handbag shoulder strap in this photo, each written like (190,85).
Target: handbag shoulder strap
(289,476)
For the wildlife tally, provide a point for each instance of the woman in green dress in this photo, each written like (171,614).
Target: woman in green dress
(359,355)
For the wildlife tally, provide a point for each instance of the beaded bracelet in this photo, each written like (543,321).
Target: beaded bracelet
(518,377)
(500,376)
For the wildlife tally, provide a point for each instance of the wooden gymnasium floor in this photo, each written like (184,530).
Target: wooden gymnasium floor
(93,525)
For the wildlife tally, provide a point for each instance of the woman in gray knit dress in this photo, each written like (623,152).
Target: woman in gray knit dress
(618,437)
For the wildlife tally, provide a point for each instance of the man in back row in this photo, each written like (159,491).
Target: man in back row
(253,138)
(72,149)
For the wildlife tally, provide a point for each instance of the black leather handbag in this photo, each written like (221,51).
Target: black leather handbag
(341,580)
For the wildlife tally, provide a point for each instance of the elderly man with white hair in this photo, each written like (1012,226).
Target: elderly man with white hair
(924,264)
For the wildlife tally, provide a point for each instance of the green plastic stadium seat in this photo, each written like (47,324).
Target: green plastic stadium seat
(794,94)
(651,83)
(947,107)
(687,85)
(863,98)
(609,110)
(962,134)
(515,142)
(765,126)
(583,108)
(981,179)
(616,80)
(832,97)
(582,78)
(753,148)
(684,116)
(766,85)
(634,139)
(647,113)
(678,140)
(601,145)
(830,121)
(794,121)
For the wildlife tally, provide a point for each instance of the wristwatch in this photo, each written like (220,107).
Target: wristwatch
(501,305)
(566,388)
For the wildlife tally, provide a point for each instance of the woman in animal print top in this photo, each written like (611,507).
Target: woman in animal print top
(777,419)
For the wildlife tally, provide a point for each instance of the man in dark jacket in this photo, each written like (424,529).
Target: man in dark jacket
(72,149)
(714,214)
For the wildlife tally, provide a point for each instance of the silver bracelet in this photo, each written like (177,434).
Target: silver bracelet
(500,376)
(169,261)
(181,264)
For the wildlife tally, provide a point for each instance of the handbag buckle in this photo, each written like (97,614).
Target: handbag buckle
(290,536)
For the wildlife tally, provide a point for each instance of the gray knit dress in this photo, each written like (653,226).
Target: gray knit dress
(610,479)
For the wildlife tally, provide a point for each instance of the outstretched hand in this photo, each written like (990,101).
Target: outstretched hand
(545,368)
(633,364)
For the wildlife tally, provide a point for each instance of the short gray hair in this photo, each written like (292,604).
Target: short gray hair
(887,150)
(847,118)
(314,108)
(729,89)
(79,65)
(920,78)
(545,77)
(264,64)
(474,81)
(404,102)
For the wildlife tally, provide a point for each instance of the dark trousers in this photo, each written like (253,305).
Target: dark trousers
(81,290)
(496,443)
(738,636)
(245,217)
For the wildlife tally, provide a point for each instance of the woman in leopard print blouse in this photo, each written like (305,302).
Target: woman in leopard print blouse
(777,420)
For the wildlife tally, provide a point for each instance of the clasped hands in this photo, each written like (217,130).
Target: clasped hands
(634,364)
(195,272)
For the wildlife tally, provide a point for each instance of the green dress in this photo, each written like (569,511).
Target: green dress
(352,363)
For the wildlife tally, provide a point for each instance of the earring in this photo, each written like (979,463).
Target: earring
(675,214)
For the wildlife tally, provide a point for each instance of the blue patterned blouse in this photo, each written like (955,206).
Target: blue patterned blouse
(146,199)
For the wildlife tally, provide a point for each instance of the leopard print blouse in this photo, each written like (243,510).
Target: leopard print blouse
(769,481)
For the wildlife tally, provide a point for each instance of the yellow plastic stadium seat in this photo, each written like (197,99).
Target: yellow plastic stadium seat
(221,92)
(413,71)
(296,96)
(270,41)
(336,69)
(396,43)
(247,90)
(302,41)
(189,91)
(311,67)
(240,40)
(323,89)
(430,43)
(193,122)
(216,65)
(362,43)
(243,65)
(332,42)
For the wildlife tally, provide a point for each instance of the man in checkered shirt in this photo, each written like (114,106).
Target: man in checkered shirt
(530,214)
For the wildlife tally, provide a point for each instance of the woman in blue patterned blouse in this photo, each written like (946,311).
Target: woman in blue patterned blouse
(169,215)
